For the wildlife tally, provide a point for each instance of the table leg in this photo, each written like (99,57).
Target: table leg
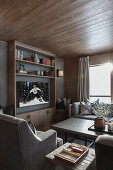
(85,141)
(91,144)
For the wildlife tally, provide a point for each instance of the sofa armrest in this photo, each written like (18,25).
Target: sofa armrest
(104,152)
(74,108)
(69,110)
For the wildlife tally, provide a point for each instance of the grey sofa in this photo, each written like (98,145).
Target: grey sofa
(74,111)
(20,148)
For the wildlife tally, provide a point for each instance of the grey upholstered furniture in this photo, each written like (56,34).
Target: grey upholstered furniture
(74,111)
(104,152)
(20,148)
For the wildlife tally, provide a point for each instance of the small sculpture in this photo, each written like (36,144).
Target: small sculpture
(36,59)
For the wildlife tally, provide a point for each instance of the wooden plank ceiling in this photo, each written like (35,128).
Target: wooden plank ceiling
(65,27)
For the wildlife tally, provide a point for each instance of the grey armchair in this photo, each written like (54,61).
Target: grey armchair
(104,152)
(20,148)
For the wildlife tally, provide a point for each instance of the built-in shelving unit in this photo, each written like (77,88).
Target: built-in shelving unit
(32,75)
(14,73)
(38,64)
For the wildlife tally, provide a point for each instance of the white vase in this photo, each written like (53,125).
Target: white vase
(36,59)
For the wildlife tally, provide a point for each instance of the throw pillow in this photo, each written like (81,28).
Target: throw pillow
(91,103)
(61,103)
(103,110)
(68,102)
(86,100)
(9,110)
(85,108)
(1,110)
(94,106)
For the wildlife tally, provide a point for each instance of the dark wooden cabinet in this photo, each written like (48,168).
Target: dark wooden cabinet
(42,119)
(60,115)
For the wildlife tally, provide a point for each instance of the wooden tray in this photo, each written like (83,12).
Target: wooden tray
(72,154)
(103,131)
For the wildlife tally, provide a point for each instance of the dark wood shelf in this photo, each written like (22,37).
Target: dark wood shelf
(29,62)
(32,75)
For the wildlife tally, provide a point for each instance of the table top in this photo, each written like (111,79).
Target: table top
(77,126)
(82,164)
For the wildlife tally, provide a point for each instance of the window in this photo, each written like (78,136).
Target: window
(100,82)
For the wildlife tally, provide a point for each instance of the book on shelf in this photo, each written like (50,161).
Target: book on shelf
(19,54)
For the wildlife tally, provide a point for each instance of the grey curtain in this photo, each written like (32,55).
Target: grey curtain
(83,79)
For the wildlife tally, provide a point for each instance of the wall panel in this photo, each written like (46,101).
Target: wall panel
(3,73)
(71,78)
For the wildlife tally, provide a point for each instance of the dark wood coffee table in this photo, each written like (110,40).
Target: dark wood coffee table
(77,127)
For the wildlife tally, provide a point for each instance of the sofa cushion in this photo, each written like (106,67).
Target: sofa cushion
(103,109)
(85,108)
(88,117)
(61,103)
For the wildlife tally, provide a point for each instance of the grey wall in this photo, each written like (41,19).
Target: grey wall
(3,73)
(59,80)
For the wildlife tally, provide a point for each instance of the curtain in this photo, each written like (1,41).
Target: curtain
(83,79)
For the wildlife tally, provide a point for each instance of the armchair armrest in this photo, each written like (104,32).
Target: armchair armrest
(105,140)
(48,141)
(34,148)
(47,134)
